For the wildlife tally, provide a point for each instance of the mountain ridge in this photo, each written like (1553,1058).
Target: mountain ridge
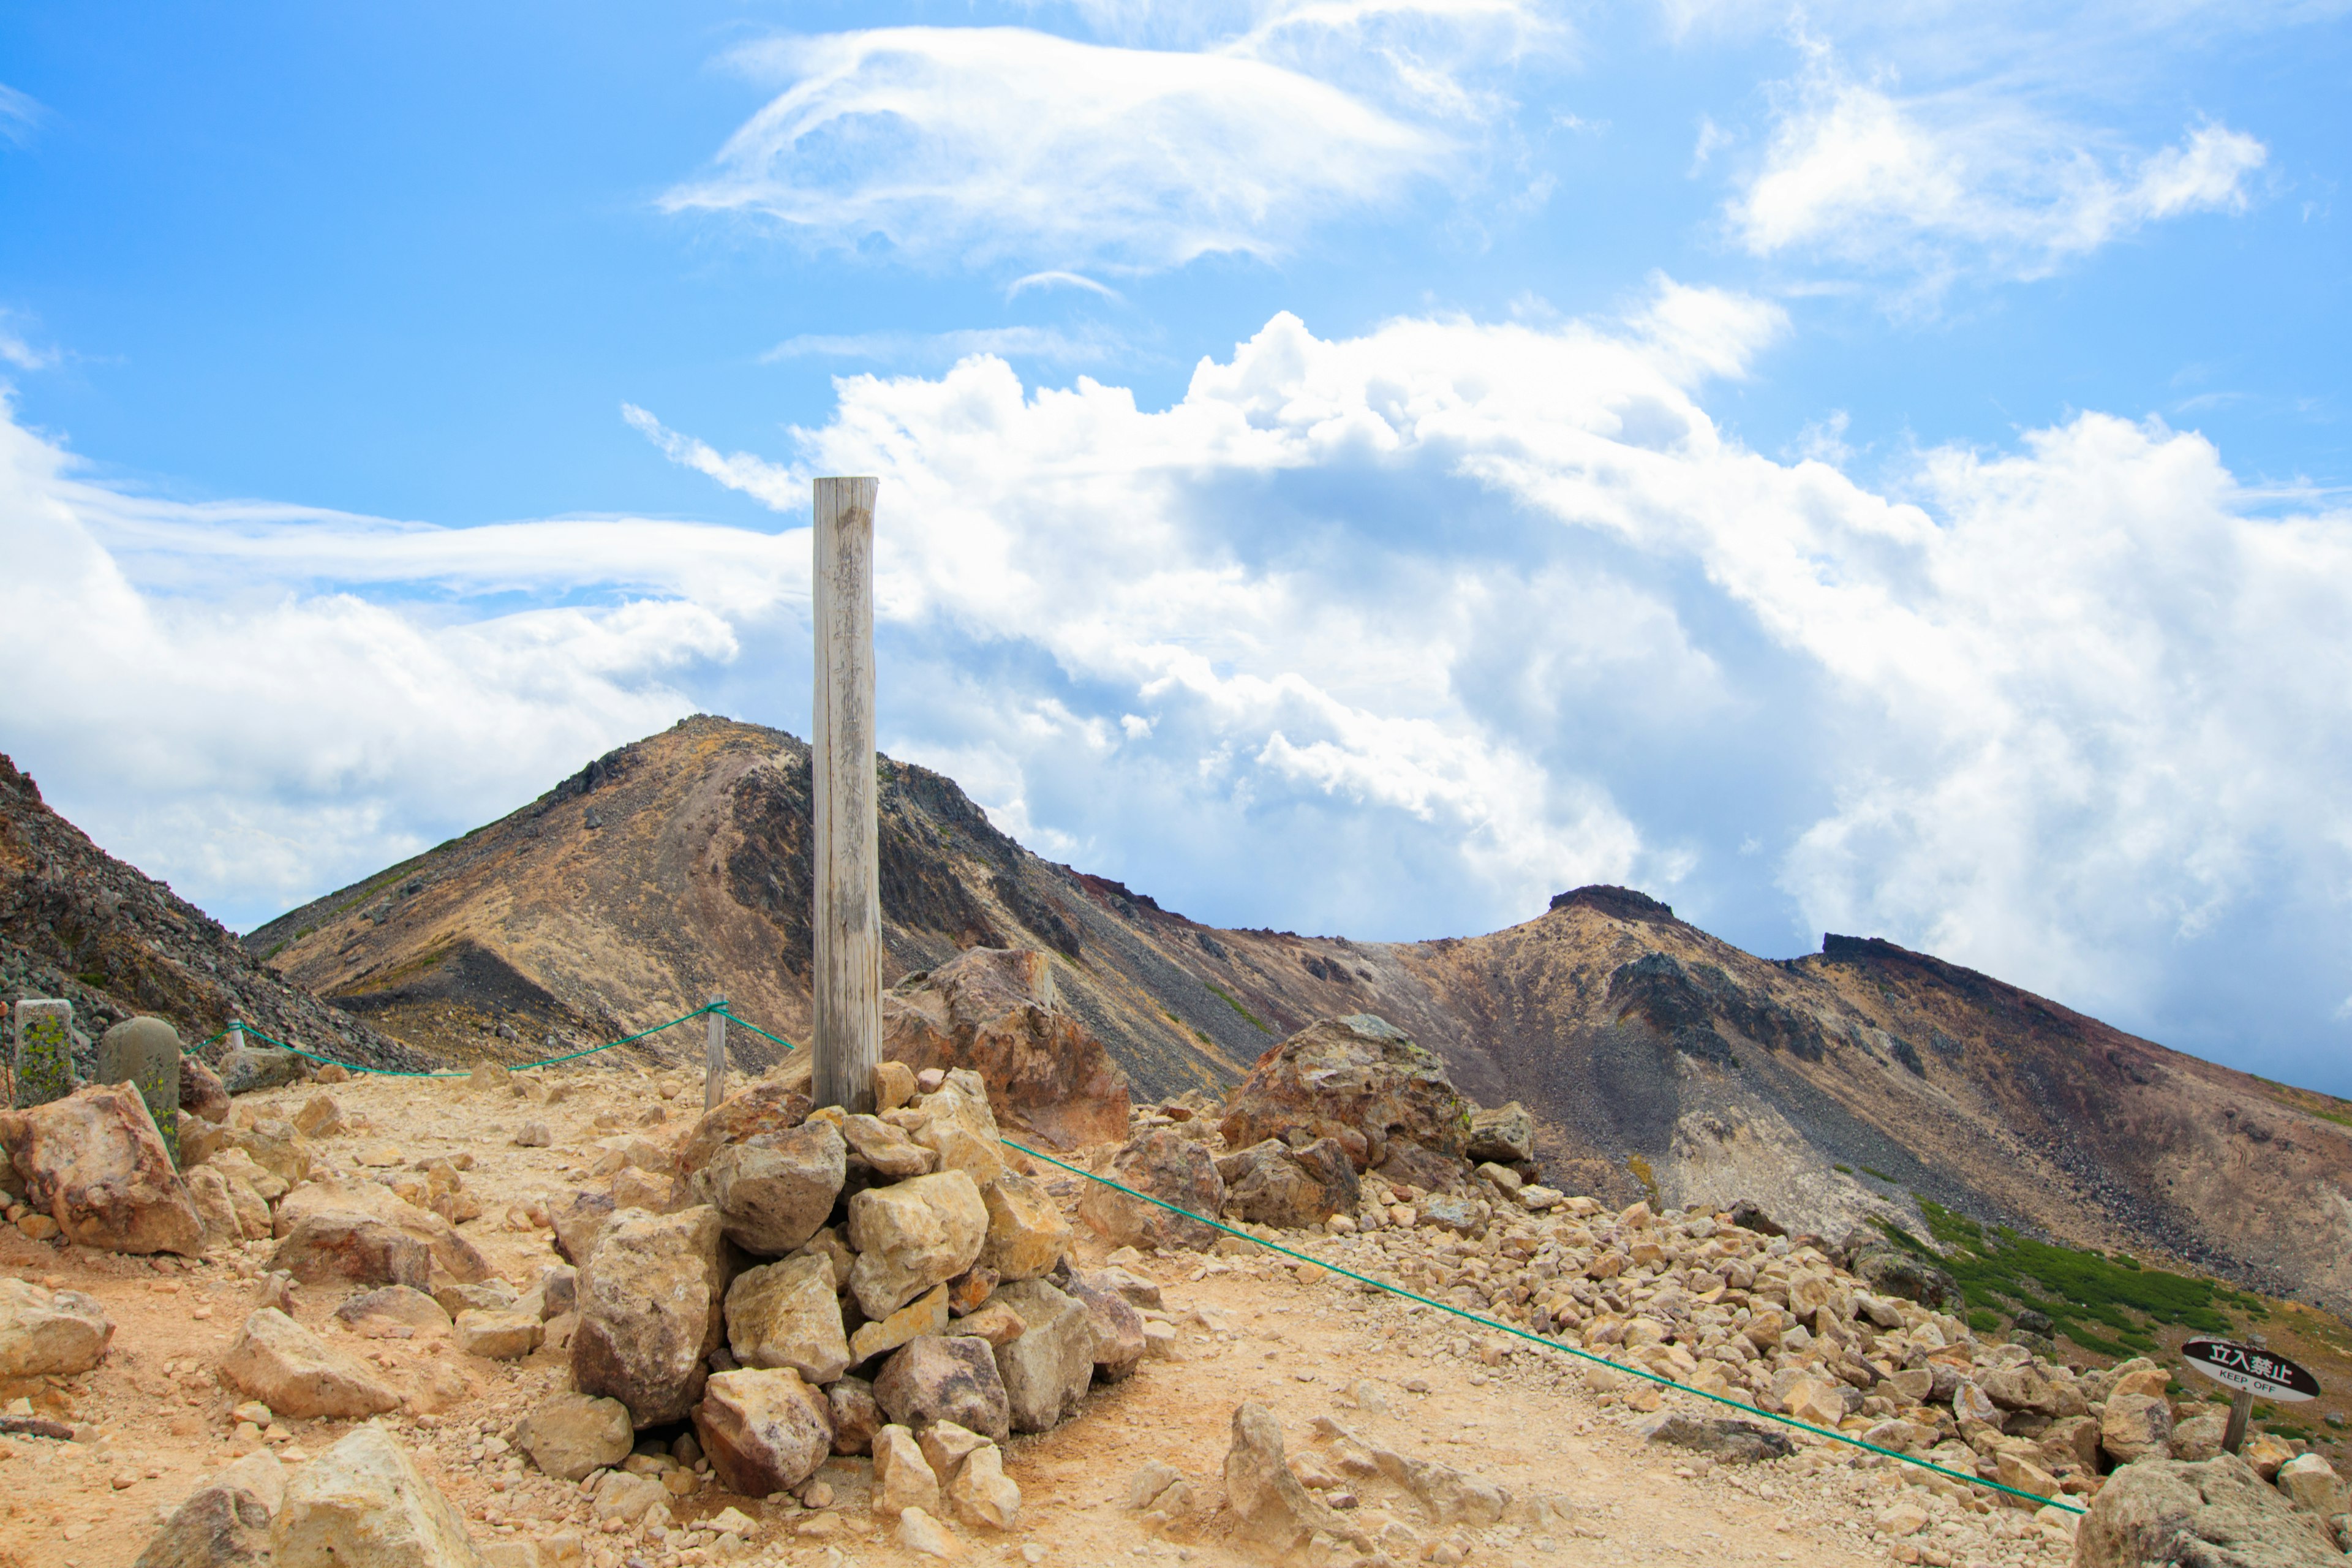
(1834,1088)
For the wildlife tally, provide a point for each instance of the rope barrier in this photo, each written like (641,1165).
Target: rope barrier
(1549,1345)
(1398,1291)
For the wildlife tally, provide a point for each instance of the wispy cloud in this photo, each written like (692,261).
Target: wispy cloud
(20,115)
(1052,344)
(1964,182)
(1057,279)
(16,349)
(980,143)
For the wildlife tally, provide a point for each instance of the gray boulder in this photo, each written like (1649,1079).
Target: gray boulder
(1047,1370)
(2214,1514)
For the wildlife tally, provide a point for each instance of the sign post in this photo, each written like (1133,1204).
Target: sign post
(848,903)
(2250,1370)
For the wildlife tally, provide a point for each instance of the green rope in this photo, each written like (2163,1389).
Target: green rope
(722,1007)
(522,1066)
(1548,1343)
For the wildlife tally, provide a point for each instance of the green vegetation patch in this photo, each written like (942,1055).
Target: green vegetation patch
(1231,1001)
(2111,1305)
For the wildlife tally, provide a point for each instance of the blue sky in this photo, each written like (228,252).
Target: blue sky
(1348,467)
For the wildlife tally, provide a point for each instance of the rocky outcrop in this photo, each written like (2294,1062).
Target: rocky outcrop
(651,1311)
(2208,1515)
(95,1164)
(1359,1079)
(993,1010)
(1160,1163)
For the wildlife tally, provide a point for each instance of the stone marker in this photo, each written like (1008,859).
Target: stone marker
(145,1054)
(43,1059)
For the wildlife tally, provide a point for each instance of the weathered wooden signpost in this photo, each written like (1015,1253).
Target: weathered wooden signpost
(848,913)
(2250,1370)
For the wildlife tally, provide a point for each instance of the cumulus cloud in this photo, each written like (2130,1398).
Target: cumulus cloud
(1964,181)
(190,687)
(2068,712)
(1392,634)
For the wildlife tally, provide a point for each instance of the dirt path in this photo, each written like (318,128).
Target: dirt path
(151,1422)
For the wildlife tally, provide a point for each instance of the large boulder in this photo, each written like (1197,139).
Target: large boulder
(651,1311)
(789,1314)
(569,1436)
(773,1191)
(243,1071)
(1890,1271)
(355,1201)
(1361,1080)
(937,1378)
(1270,1183)
(94,1163)
(1117,1327)
(1027,1233)
(2136,1426)
(225,1523)
(1506,1134)
(764,1430)
(776,1104)
(278,1362)
(364,1504)
(1160,1163)
(994,1010)
(2214,1514)
(1047,1370)
(912,1237)
(339,1244)
(49,1331)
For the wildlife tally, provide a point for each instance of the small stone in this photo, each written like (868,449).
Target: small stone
(499,1336)
(894,1085)
(903,1479)
(2313,1485)
(946,1446)
(395,1311)
(1027,1233)
(319,1117)
(996,1323)
(980,1493)
(927,1315)
(1270,1505)
(571,1435)
(533,1134)
(919,1532)
(857,1416)
(225,1523)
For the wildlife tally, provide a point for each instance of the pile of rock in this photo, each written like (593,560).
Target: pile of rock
(814,1283)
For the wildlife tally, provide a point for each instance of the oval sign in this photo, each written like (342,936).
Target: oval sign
(2256,1370)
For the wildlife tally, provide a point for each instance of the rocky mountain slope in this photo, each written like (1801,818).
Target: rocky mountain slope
(76,923)
(1659,1059)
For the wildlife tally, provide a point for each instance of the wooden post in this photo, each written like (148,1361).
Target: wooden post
(714,1056)
(2233,1435)
(848,985)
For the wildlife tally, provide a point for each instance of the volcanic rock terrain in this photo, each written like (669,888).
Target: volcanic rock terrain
(1658,1060)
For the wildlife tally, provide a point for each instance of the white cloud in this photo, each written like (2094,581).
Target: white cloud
(977,143)
(1053,344)
(16,349)
(20,115)
(1392,634)
(1964,181)
(1057,279)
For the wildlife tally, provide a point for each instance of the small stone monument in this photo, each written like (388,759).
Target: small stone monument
(42,1062)
(145,1053)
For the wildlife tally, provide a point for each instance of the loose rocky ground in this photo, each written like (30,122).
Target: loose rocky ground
(151,1422)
